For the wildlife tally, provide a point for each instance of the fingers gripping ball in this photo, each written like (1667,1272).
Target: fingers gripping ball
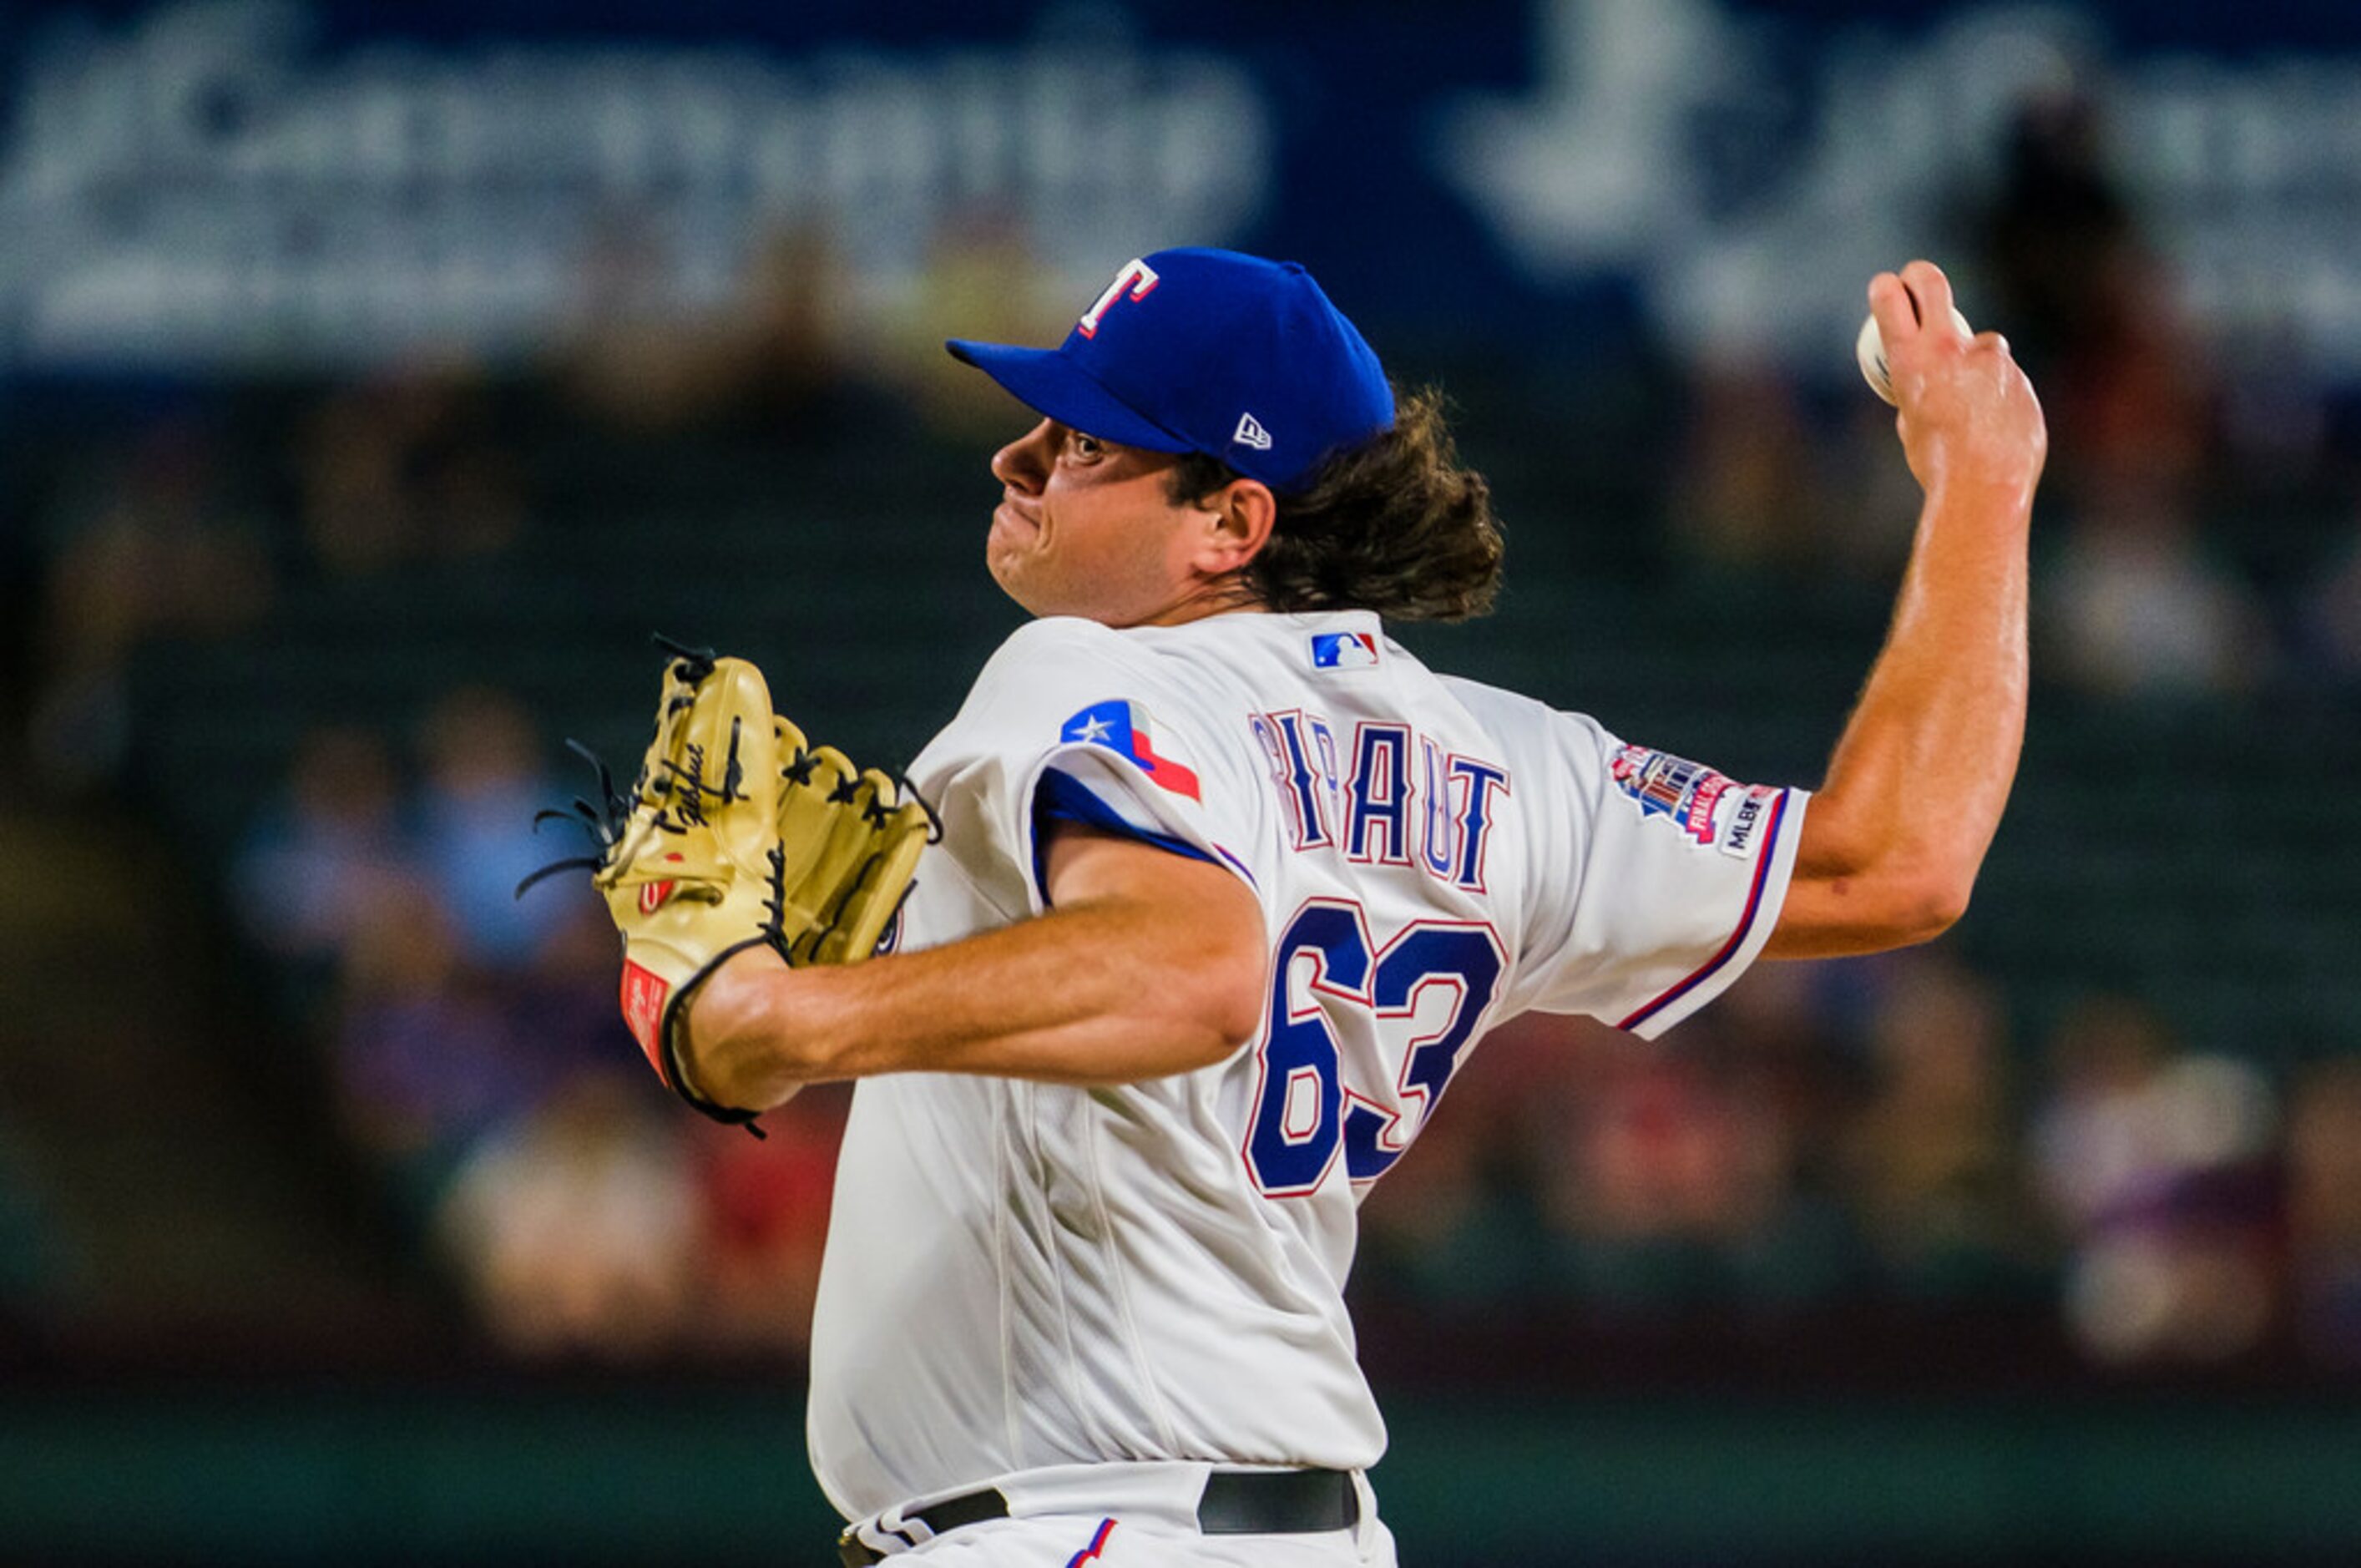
(1869,348)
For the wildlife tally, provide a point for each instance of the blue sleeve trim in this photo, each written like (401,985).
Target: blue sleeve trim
(1062,797)
(1764,858)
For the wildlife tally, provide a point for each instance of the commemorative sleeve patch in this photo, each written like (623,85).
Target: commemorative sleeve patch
(1689,792)
(1123,727)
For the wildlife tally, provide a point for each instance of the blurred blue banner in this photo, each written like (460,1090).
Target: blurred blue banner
(215,185)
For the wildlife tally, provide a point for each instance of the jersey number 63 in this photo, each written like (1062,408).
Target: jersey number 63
(1304,1110)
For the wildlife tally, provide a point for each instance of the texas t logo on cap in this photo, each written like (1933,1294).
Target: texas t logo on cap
(1207,351)
(1136,276)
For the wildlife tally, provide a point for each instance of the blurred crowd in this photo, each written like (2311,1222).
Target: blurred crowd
(468,1038)
(1885,1129)
(1827,1134)
(2198,530)
(1871,1130)
(480,1067)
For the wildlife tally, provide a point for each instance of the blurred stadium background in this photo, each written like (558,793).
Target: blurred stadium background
(375,380)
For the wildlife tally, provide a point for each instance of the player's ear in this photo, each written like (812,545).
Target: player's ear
(1239,518)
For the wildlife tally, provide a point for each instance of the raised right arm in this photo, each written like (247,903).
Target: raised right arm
(1893,840)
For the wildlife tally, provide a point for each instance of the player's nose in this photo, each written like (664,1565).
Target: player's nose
(1024,463)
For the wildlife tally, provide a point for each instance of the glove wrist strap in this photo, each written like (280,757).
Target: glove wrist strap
(675,1073)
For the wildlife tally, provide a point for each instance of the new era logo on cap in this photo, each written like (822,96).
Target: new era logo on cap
(1169,353)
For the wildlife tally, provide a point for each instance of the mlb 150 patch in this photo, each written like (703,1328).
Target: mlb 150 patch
(1673,787)
(1123,727)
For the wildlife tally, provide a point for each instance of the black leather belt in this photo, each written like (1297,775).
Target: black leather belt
(1236,1502)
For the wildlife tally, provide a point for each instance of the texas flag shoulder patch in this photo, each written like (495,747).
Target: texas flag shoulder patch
(1123,727)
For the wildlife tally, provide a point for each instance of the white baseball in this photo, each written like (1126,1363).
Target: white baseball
(1870,349)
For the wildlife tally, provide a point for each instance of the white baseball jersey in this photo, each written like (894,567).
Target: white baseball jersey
(1023,1275)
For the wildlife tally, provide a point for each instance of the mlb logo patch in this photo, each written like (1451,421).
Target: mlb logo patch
(1123,728)
(1344,650)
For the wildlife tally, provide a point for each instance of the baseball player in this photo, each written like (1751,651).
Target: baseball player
(1229,887)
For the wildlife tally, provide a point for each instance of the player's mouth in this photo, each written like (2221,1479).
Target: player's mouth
(1009,517)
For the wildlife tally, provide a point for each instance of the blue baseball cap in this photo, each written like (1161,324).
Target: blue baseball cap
(1195,350)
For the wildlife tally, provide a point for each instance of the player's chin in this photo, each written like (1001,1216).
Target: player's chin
(1011,526)
(1007,565)
(1021,576)
(1011,545)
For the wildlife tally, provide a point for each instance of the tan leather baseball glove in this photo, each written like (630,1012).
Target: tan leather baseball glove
(737,832)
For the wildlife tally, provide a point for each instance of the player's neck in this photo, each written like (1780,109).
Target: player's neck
(1227,596)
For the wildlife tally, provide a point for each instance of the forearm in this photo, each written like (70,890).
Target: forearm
(1893,842)
(1123,980)
(1916,785)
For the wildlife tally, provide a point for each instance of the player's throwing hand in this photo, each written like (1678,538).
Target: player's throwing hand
(1968,414)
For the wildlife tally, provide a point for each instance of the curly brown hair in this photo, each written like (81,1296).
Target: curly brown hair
(1395,525)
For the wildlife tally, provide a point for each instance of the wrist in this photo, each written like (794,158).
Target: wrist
(1982,475)
(727,1043)
(1990,499)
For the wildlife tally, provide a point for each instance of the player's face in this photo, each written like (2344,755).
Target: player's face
(1086,527)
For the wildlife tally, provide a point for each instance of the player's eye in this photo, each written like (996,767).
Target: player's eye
(1087,447)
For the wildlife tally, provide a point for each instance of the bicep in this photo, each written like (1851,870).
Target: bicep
(1086,866)
(1182,920)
